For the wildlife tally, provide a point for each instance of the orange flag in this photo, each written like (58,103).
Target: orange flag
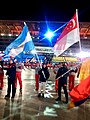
(85,69)
(80,93)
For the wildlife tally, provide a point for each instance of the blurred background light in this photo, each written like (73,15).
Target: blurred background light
(49,34)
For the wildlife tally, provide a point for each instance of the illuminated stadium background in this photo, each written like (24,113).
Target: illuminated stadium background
(10,29)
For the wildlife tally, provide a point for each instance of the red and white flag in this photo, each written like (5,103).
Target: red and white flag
(68,37)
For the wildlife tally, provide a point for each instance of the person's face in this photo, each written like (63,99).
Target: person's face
(60,65)
(11,61)
(44,65)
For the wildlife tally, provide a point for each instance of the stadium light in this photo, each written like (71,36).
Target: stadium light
(49,34)
(83,54)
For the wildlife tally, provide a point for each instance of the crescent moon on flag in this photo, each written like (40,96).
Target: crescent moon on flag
(73,21)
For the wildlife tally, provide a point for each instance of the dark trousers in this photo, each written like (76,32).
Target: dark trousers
(11,84)
(64,86)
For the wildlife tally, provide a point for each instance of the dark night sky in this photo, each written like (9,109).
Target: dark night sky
(41,10)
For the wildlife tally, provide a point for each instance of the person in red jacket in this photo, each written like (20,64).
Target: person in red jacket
(37,76)
(55,72)
(1,74)
(72,78)
(19,67)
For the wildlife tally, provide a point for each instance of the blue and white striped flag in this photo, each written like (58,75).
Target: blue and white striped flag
(22,44)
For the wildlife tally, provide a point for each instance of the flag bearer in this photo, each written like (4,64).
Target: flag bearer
(43,76)
(11,72)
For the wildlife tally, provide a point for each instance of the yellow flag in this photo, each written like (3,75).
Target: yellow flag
(85,69)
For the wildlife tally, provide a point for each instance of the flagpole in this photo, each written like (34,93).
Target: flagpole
(24,23)
(35,52)
(78,30)
(40,65)
(68,71)
(38,59)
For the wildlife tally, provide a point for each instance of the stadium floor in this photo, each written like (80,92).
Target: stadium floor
(29,107)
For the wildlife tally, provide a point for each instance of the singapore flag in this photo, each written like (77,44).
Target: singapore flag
(68,37)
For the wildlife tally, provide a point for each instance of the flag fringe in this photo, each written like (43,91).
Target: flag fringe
(71,105)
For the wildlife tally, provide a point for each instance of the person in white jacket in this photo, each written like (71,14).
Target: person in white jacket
(19,67)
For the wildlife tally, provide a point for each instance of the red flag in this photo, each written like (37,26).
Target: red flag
(80,93)
(68,37)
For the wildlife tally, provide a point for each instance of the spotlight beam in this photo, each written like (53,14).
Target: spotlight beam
(53,31)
